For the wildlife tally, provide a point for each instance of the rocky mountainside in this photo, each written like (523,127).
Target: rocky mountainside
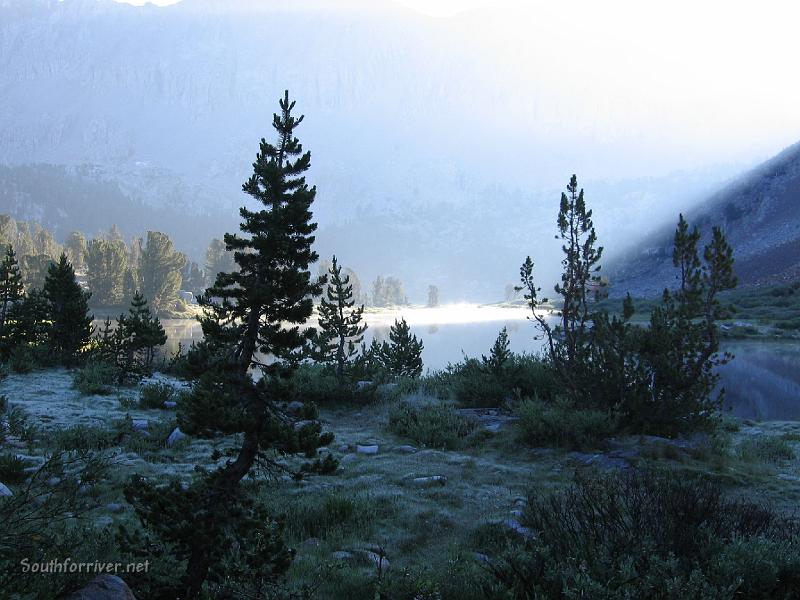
(760,214)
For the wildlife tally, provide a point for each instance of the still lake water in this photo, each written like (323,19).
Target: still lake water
(762,382)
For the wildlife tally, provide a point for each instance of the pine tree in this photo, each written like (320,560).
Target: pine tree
(379,292)
(10,284)
(499,355)
(76,248)
(160,270)
(251,312)
(34,270)
(340,323)
(218,260)
(106,264)
(141,333)
(71,323)
(433,296)
(402,354)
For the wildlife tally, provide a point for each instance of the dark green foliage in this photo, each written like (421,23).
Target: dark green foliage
(106,263)
(318,384)
(154,395)
(95,378)
(247,544)
(70,321)
(41,522)
(83,438)
(340,323)
(651,535)
(492,381)
(499,355)
(160,270)
(29,325)
(131,345)
(561,424)
(254,310)
(433,425)
(12,469)
(660,379)
(401,356)
(10,284)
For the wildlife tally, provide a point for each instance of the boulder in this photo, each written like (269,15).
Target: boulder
(376,559)
(4,491)
(371,449)
(342,555)
(115,507)
(517,527)
(170,404)
(140,424)
(431,481)
(361,385)
(103,587)
(406,449)
(295,408)
(175,437)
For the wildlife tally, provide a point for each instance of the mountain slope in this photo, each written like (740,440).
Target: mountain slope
(760,214)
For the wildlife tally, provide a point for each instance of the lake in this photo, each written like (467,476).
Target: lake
(762,382)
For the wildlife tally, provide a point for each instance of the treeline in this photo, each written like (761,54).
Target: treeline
(113,269)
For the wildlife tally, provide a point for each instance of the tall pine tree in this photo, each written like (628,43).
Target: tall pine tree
(250,313)
(340,322)
(71,323)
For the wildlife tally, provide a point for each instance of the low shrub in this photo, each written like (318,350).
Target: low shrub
(651,535)
(95,378)
(83,437)
(435,425)
(475,383)
(560,424)
(153,395)
(765,448)
(317,384)
(12,468)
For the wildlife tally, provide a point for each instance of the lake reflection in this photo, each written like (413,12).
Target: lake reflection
(762,382)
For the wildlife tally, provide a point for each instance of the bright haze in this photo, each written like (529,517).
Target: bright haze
(441,133)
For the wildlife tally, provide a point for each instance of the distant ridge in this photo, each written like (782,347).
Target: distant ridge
(760,214)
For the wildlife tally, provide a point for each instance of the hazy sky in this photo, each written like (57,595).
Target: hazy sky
(701,80)
(437,8)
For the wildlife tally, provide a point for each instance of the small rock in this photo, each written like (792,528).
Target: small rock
(311,543)
(376,559)
(373,449)
(348,458)
(342,555)
(115,507)
(406,449)
(482,558)
(787,477)
(520,501)
(104,587)
(431,481)
(30,469)
(170,404)
(295,408)
(140,424)
(174,437)
(344,448)
(516,513)
(53,481)
(4,491)
(361,385)
(84,489)
(517,527)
